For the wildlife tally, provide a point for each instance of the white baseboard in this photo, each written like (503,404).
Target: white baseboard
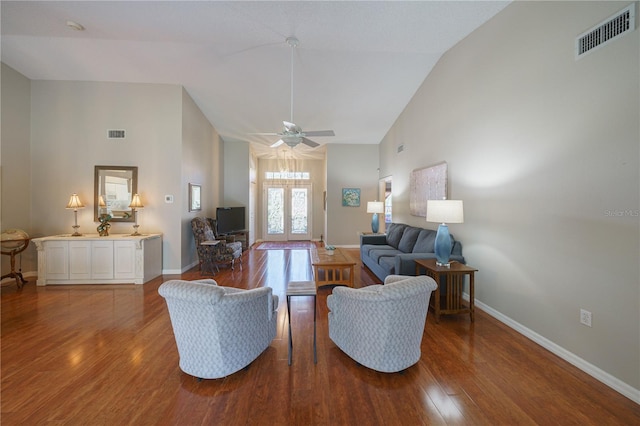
(595,372)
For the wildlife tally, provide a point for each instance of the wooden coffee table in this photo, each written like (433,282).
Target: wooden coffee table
(331,269)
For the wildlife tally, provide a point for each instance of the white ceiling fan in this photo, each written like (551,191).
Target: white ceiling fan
(292,134)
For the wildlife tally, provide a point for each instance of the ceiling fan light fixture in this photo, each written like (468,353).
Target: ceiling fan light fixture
(292,141)
(292,134)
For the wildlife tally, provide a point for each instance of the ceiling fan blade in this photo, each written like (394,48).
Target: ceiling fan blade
(277,144)
(266,134)
(310,143)
(320,133)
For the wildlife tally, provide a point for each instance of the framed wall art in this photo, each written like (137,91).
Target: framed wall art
(350,197)
(429,183)
(194,197)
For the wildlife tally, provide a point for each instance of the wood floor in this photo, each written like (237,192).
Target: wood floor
(105,355)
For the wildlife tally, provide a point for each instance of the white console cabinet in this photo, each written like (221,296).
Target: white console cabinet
(91,259)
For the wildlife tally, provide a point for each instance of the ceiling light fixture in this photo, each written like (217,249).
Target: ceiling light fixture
(75,26)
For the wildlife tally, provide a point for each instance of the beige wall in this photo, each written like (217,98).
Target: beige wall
(167,138)
(316,172)
(15,163)
(544,150)
(201,164)
(350,166)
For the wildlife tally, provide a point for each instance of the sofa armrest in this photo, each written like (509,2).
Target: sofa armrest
(406,265)
(378,239)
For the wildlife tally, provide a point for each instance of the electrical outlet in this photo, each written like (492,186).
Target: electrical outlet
(585,317)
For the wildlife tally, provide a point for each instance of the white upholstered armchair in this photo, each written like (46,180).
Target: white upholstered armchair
(219,330)
(381,326)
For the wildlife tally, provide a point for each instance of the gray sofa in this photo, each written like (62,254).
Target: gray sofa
(394,252)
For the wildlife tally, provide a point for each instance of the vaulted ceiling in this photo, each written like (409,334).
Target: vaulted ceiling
(357,65)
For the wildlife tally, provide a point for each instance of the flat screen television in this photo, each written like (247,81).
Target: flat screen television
(229,219)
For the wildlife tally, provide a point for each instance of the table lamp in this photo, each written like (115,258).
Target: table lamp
(375,207)
(75,204)
(102,205)
(136,203)
(443,212)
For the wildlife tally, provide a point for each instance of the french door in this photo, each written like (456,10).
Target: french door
(287,212)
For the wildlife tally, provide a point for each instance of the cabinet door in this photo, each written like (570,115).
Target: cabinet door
(125,260)
(57,260)
(79,260)
(102,260)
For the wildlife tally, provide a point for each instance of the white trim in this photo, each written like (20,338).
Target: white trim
(595,372)
(178,271)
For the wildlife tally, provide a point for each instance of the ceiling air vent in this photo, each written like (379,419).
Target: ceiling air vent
(400,148)
(116,134)
(615,26)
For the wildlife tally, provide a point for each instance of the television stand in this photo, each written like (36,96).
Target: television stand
(240,236)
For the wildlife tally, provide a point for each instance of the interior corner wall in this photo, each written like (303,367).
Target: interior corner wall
(201,164)
(350,166)
(69,123)
(544,150)
(15,163)
(237,158)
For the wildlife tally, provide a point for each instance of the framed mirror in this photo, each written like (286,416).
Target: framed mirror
(113,188)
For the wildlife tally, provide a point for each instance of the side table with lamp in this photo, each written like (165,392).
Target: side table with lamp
(448,275)
(375,207)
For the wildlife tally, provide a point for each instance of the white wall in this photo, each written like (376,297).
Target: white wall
(544,151)
(350,166)
(15,164)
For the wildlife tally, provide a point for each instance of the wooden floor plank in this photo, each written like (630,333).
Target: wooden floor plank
(106,355)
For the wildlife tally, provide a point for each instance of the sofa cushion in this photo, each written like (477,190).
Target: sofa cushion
(394,234)
(366,249)
(377,254)
(409,237)
(425,242)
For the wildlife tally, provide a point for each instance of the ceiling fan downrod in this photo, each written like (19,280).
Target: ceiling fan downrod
(293,43)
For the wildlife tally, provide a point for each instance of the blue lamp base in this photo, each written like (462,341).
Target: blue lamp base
(442,246)
(374,223)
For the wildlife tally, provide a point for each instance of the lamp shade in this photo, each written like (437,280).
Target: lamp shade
(445,211)
(136,202)
(375,207)
(101,202)
(74,202)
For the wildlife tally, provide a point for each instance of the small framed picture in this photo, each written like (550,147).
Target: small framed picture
(194,197)
(351,197)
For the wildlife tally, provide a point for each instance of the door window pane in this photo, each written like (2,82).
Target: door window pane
(275,211)
(299,211)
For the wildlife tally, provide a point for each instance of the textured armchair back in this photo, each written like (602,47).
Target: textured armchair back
(219,330)
(381,326)
(202,230)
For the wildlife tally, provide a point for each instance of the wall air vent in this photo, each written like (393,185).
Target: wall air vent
(612,28)
(116,134)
